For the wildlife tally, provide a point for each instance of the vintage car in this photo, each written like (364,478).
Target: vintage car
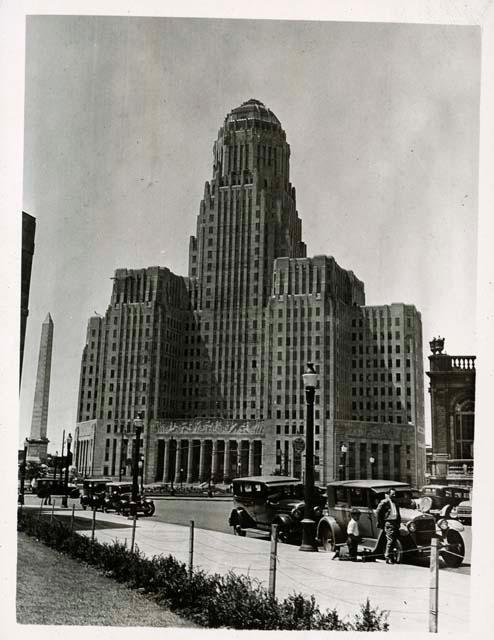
(440,499)
(261,501)
(416,529)
(118,497)
(463,512)
(93,492)
(53,487)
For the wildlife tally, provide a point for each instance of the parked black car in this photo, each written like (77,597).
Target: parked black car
(45,486)
(118,497)
(93,492)
(440,499)
(261,501)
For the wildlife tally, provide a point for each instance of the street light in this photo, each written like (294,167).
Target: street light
(66,483)
(308,525)
(141,471)
(23,472)
(372,460)
(138,425)
(181,479)
(239,469)
(343,450)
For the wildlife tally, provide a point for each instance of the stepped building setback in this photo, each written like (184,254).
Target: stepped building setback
(215,359)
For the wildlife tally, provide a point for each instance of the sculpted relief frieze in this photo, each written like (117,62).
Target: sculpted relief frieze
(205,427)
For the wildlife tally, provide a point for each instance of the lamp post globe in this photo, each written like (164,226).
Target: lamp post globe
(310,379)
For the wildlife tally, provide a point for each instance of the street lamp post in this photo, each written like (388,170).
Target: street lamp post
(141,472)
(372,460)
(138,425)
(181,478)
(23,472)
(343,450)
(66,482)
(308,525)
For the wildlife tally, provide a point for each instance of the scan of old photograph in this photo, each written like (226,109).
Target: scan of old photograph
(248,284)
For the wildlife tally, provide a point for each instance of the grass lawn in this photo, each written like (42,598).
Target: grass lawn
(55,589)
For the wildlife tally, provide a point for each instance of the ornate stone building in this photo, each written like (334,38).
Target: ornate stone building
(215,359)
(452,391)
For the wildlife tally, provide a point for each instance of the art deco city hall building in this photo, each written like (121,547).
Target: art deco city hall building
(215,359)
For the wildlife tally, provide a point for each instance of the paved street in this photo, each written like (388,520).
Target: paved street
(212,514)
(403,590)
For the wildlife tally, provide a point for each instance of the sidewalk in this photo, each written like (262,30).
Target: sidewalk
(401,589)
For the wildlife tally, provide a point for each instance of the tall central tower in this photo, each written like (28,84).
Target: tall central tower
(246,220)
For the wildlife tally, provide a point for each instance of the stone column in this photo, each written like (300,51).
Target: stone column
(226,463)
(214,462)
(357,458)
(202,455)
(166,454)
(178,460)
(251,457)
(189,461)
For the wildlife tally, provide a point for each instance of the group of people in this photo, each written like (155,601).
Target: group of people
(388,520)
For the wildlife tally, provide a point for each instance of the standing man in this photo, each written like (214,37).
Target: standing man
(389,519)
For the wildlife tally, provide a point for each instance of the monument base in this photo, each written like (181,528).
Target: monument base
(37,450)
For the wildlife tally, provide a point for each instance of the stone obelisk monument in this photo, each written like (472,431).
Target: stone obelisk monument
(38,442)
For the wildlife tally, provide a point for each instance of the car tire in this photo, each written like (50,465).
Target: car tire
(326,537)
(149,509)
(457,548)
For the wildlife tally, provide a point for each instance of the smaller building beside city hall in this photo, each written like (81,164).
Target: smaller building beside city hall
(215,360)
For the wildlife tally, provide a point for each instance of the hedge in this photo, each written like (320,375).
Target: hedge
(210,600)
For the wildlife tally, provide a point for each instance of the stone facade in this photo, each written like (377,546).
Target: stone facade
(452,392)
(215,359)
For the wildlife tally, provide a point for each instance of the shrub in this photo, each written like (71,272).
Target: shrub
(211,600)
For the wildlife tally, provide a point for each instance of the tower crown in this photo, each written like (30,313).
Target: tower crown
(252,110)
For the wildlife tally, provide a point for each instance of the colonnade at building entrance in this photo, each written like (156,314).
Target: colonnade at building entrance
(190,460)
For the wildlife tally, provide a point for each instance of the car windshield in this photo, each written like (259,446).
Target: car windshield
(286,491)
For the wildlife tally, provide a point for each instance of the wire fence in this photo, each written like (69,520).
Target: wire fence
(210,556)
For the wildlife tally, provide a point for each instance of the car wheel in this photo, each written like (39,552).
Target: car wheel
(454,555)
(149,509)
(327,538)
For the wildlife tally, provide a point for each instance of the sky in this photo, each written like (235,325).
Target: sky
(120,119)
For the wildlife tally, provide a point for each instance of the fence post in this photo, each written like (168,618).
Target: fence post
(434,587)
(72,520)
(93,526)
(272,559)
(134,520)
(52,509)
(191,547)
(40,508)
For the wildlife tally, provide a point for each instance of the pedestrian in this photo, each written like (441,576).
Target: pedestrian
(389,519)
(353,534)
(45,492)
